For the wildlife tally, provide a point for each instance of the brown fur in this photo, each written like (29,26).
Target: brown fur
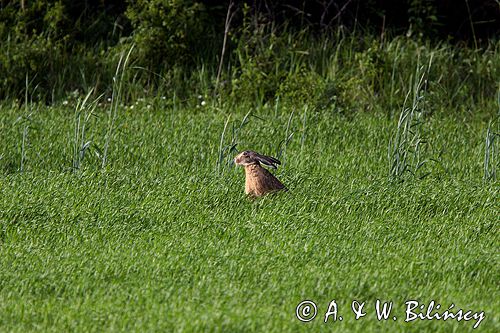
(258,181)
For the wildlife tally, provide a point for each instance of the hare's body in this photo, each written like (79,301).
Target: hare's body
(258,181)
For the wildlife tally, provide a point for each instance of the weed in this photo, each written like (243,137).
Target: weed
(405,148)
(491,149)
(116,98)
(84,110)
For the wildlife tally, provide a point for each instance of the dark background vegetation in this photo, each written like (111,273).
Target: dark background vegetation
(60,46)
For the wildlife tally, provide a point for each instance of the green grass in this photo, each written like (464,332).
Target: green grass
(159,241)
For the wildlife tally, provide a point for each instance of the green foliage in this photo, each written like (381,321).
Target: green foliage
(423,17)
(272,62)
(154,239)
(301,87)
(491,149)
(29,36)
(168,32)
(407,148)
(38,17)
(61,43)
(147,237)
(69,45)
(258,74)
(353,89)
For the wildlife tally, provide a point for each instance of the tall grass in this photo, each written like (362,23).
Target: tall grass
(405,148)
(491,146)
(26,120)
(227,150)
(286,72)
(281,154)
(222,149)
(116,99)
(84,110)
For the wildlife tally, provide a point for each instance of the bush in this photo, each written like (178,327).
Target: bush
(168,31)
(53,42)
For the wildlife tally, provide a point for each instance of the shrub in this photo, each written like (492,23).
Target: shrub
(53,42)
(168,31)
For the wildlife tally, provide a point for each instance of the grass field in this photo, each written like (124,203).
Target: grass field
(124,212)
(163,239)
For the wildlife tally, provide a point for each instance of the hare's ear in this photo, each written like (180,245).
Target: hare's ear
(268,160)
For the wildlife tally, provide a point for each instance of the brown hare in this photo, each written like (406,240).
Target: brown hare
(258,181)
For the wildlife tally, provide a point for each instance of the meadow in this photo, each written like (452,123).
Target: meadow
(126,214)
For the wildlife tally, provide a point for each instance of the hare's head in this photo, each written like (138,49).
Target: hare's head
(249,157)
